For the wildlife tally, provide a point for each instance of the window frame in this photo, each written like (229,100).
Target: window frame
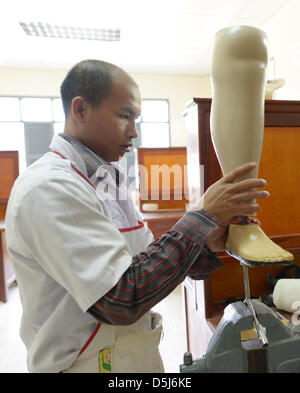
(153,122)
(23,122)
(52,98)
(138,141)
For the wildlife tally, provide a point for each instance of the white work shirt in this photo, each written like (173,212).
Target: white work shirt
(67,253)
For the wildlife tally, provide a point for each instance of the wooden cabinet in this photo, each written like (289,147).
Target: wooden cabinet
(9,171)
(279,214)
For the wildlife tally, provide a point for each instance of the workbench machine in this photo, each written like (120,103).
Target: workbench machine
(250,337)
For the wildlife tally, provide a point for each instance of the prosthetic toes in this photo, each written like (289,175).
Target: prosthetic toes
(252,247)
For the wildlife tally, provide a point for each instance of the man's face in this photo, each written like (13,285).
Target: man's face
(110,128)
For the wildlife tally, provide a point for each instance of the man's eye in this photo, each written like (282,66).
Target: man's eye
(124,116)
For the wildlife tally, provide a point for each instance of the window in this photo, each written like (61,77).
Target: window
(155,135)
(154,125)
(58,113)
(36,109)
(12,138)
(23,120)
(9,109)
(22,117)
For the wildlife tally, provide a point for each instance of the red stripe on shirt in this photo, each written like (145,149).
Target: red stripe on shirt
(154,267)
(198,225)
(152,279)
(152,290)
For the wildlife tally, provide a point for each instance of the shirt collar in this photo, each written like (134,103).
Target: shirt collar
(92,160)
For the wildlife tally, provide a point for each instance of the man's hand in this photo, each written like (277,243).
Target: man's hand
(217,240)
(230,197)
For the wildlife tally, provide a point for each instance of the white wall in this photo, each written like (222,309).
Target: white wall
(179,89)
(283,35)
(30,82)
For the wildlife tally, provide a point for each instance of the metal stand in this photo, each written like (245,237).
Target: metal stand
(258,327)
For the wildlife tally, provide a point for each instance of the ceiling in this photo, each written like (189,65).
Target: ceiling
(157,36)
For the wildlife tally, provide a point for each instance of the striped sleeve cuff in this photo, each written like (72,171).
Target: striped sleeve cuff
(196,225)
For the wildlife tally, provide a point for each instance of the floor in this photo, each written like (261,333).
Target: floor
(173,344)
(13,352)
(12,349)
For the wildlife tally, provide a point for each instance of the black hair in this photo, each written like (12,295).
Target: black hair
(91,79)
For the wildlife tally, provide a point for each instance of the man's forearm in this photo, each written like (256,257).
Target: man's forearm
(157,271)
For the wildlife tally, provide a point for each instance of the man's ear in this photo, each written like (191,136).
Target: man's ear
(79,109)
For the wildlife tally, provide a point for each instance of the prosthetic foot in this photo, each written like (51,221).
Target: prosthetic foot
(252,247)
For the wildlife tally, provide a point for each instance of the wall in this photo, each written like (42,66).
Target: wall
(283,35)
(179,89)
(30,82)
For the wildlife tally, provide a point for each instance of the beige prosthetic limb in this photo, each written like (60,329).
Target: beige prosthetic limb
(239,66)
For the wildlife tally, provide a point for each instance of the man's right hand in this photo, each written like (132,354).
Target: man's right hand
(230,197)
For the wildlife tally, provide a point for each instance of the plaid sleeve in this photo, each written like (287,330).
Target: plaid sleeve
(207,258)
(154,273)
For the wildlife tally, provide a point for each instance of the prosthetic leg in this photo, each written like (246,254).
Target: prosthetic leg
(240,59)
(250,337)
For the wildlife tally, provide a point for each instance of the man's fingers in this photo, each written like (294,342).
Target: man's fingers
(248,184)
(238,172)
(231,196)
(247,208)
(254,221)
(240,220)
(248,196)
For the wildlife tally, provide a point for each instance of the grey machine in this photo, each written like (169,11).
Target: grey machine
(272,347)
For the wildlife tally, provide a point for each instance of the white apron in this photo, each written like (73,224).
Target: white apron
(122,349)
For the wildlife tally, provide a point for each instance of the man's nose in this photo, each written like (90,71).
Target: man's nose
(133,131)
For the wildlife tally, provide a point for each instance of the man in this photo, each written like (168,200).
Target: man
(87,268)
